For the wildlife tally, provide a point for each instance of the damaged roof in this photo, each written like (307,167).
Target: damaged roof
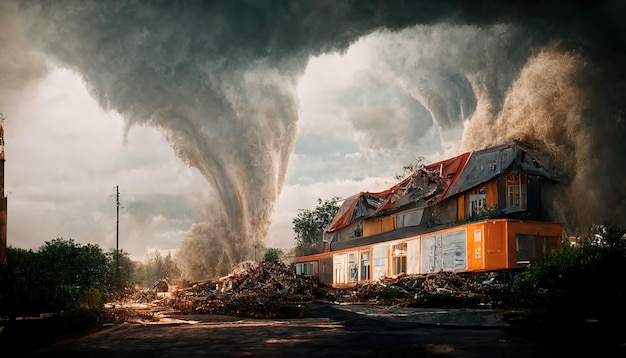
(487,164)
(429,184)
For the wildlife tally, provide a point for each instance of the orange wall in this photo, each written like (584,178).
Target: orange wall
(530,228)
(495,244)
(491,244)
(475,247)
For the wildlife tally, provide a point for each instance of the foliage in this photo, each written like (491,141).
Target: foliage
(410,168)
(62,275)
(121,271)
(581,281)
(155,268)
(481,213)
(309,226)
(274,255)
(93,298)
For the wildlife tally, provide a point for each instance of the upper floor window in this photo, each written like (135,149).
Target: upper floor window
(516,191)
(477,200)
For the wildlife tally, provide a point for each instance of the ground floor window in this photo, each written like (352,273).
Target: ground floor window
(365,265)
(398,258)
(380,262)
(353,267)
(306,268)
(534,247)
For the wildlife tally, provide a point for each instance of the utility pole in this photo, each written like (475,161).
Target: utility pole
(117,230)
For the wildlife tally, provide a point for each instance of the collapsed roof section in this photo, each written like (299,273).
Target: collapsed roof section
(429,184)
(425,186)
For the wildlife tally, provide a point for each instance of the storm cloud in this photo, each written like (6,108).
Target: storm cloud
(219,80)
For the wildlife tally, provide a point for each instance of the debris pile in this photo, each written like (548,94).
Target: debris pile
(270,290)
(437,289)
(253,289)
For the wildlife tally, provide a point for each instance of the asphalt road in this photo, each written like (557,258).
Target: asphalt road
(331,331)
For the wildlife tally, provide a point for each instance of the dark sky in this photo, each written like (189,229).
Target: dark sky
(206,72)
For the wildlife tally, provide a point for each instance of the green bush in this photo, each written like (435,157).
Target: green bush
(61,276)
(582,282)
(93,299)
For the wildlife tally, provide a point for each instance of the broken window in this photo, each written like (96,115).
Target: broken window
(477,200)
(454,250)
(447,251)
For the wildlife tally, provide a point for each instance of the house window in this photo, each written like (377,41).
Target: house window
(398,258)
(365,265)
(353,267)
(306,268)
(380,262)
(533,247)
(339,264)
(300,269)
(516,191)
(311,269)
(477,201)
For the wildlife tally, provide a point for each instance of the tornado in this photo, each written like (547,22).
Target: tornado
(219,80)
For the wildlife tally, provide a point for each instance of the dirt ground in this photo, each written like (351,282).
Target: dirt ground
(328,330)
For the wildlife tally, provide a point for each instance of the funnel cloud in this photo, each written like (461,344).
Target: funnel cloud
(219,79)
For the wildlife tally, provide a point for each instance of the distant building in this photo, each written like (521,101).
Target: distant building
(479,211)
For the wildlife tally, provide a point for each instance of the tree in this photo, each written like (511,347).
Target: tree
(273,255)
(309,225)
(69,269)
(156,267)
(410,168)
(121,270)
(61,276)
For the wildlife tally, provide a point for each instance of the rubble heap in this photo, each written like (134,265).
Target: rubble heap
(437,289)
(270,290)
(253,289)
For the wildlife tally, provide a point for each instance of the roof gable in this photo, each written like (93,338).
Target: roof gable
(429,184)
(487,164)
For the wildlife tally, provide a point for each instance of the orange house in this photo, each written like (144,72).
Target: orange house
(479,211)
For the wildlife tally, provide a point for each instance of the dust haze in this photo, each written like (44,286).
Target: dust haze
(219,80)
